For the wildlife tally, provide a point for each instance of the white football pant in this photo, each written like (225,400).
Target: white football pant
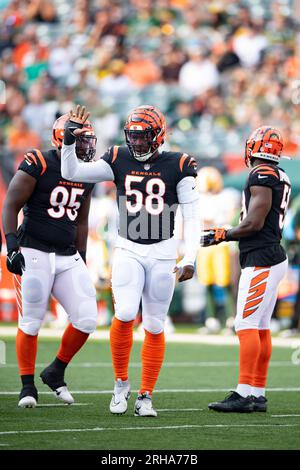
(257,295)
(67,278)
(136,278)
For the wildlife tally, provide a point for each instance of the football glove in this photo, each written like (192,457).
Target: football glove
(70,126)
(213,236)
(15,261)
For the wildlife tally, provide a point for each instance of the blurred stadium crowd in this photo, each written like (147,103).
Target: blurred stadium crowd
(217,69)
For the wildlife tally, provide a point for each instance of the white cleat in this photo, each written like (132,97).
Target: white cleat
(27,402)
(63,394)
(118,404)
(143,405)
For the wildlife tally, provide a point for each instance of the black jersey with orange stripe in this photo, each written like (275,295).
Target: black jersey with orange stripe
(50,215)
(146,192)
(263,248)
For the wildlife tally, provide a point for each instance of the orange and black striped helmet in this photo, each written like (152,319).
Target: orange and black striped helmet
(85,144)
(145,130)
(265,143)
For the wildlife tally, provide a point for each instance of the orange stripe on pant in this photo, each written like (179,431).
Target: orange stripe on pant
(256,292)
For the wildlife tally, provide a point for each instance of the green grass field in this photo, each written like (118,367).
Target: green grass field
(193,375)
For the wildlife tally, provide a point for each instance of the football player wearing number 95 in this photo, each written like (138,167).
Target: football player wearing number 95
(263,262)
(46,254)
(150,185)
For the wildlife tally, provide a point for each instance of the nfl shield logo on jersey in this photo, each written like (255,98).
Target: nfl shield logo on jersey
(147,166)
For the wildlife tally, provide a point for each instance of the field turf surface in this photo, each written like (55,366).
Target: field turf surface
(192,376)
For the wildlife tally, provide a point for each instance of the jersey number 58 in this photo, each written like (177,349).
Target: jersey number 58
(154,202)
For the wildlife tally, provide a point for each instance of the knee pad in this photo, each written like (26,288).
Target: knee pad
(153,325)
(87,317)
(125,313)
(30,326)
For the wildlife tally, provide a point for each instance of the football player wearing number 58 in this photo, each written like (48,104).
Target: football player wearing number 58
(46,254)
(263,262)
(150,185)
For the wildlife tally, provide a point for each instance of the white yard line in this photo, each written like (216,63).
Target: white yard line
(10,331)
(90,365)
(152,428)
(178,409)
(168,390)
(284,416)
(61,404)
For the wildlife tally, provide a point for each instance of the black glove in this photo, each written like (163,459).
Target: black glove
(15,261)
(214,236)
(70,126)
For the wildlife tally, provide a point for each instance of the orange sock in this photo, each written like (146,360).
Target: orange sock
(26,347)
(249,353)
(71,342)
(152,354)
(262,364)
(121,339)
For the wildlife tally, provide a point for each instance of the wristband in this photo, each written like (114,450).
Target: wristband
(70,127)
(12,242)
(229,237)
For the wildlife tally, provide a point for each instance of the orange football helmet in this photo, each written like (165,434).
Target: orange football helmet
(144,130)
(265,143)
(85,143)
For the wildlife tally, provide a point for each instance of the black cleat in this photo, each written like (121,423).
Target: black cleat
(55,380)
(234,403)
(28,397)
(260,403)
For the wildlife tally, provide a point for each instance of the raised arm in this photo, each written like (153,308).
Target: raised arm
(71,168)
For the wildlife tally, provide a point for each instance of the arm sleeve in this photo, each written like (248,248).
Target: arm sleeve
(88,172)
(189,205)
(33,164)
(191,231)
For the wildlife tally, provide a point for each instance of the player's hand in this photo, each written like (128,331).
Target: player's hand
(213,236)
(79,116)
(74,127)
(185,272)
(15,262)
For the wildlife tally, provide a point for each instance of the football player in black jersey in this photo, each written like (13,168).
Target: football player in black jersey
(46,254)
(263,262)
(150,185)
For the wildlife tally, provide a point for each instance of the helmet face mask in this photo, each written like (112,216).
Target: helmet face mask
(264,143)
(144,132)
(85,143)
(86,147)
